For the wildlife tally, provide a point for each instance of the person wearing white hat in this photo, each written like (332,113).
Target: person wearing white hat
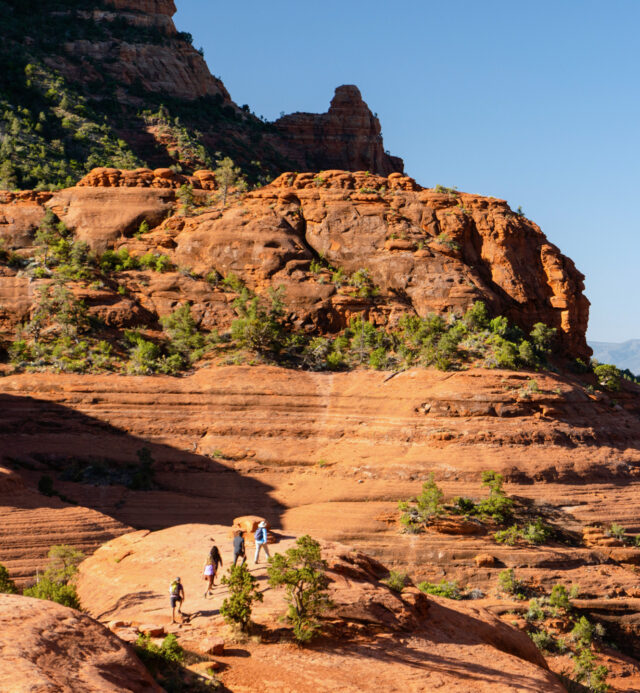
(261,540)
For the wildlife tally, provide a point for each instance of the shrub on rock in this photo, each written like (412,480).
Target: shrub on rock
(301,572)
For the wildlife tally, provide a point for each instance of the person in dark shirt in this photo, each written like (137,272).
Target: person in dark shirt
(238,547)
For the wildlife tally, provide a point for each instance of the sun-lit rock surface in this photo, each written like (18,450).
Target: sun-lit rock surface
(48,647)
(377,637)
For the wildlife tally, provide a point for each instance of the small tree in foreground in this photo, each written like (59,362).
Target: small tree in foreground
(301,571)
(56,584)
(7,585)
(243,591)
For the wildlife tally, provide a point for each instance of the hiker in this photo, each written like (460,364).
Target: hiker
(176,593)
(208,574)
(216,560)
(261,540)
(238,548)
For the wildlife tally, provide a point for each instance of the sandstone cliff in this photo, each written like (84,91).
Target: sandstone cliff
(171,67)
(137,91)
(424,250)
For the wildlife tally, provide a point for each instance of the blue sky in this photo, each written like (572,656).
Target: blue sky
(535,102)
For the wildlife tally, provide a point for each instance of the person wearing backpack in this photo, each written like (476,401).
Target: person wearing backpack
(261,540)
(176,594)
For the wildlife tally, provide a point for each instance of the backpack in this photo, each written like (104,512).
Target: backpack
(261,535)
(174,588)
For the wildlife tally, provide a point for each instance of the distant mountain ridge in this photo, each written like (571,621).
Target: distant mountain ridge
(621,354)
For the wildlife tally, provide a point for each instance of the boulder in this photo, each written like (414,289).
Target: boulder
(249,523)
(152,630)
(212,646)
(485,560)
(48,647)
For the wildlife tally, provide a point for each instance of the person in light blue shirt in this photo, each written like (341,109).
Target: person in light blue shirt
(261,540)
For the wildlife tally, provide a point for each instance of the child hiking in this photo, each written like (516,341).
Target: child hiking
(176,595)
(261,541)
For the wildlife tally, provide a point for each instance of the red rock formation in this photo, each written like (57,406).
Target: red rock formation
(175,69)
(347,137)
(48,647)
(166,7)
(229,441)
(132,48)
(409,642)
(425,250)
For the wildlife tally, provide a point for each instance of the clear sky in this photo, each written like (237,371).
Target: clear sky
(536,102)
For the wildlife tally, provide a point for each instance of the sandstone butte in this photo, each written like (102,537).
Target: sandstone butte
(326,453)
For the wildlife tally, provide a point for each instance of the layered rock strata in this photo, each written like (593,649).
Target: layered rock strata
(320,452)
(172,67)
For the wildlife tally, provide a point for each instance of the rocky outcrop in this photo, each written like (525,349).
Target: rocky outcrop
(48,647)
(119,56)
(202,179)
(425,250)
(405,637)
(152,7)
(176,70)
(347,136)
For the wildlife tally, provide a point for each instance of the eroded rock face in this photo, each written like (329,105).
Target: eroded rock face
(179,72)
(99,218)
(166,7)
(426,251)
(46,647)
(348,136)
(172,67)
